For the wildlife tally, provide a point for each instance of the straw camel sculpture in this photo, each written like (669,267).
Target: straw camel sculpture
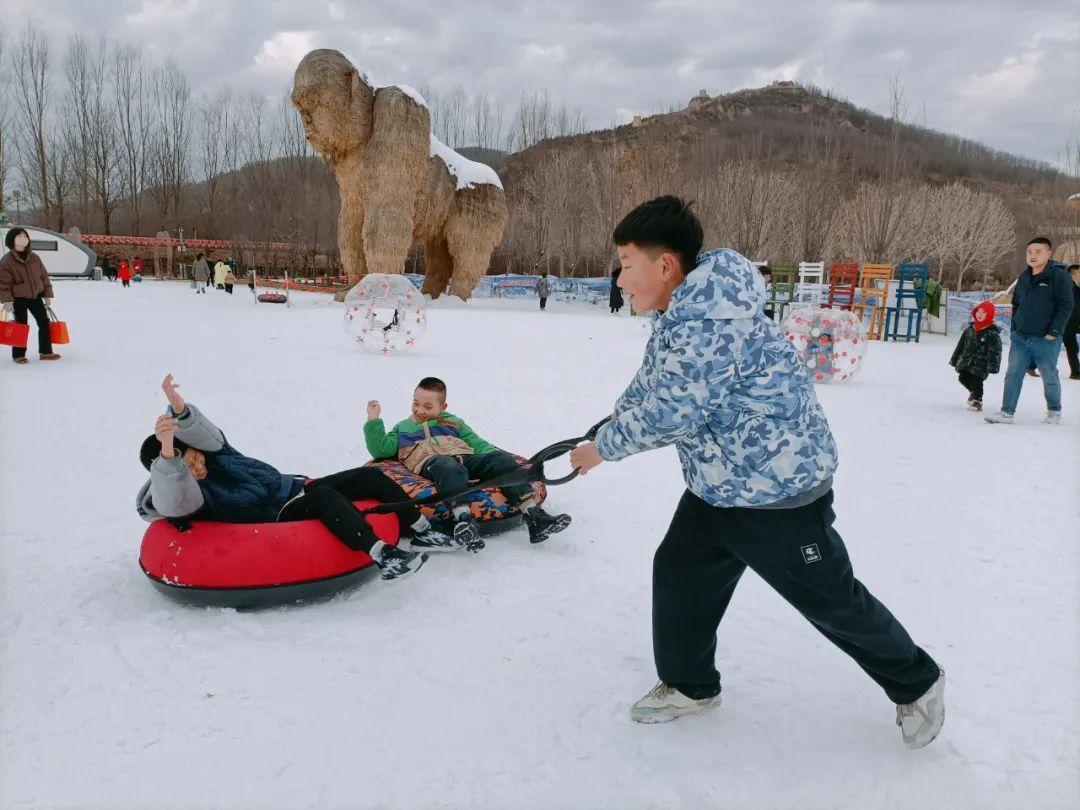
(399,185)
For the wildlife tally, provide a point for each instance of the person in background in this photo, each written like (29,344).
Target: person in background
(978,353)
(230,279)
(615,299)
(124,274)
(543,290)
(106,269)
(201,273)
(1072,326)
(220,270)
(25,288)
(1042,302)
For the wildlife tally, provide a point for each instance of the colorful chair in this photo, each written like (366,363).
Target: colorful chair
(783,288)
(910,302)
(843,278)
(811,279)
(874,296)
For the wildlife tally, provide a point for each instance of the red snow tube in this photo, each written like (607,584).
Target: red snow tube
(247,565)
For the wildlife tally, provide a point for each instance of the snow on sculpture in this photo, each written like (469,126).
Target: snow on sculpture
(385,314)
(831,342)
(399,185)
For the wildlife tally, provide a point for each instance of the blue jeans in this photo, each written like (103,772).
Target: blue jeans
(1023,351)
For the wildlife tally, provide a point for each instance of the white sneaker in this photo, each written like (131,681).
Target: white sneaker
(921,721)
(665,703)
(1001,417)
(1053,417)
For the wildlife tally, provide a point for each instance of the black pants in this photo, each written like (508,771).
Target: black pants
(1071,353)
(228,289)
(543,303)
(35,307)
(973,384)
(329,500)
(798,553)
(451,475)
(127,282)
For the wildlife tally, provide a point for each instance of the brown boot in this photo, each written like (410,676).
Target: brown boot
(50,356)
(22,361)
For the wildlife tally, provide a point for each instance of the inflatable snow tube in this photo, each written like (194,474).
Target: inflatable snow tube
(252,565)
(273,298)
(489,506)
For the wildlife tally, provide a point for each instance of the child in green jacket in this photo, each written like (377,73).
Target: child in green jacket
(441,447)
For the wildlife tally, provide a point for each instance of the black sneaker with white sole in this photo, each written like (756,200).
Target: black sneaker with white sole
(467,532)
(431,539)
(396,563)
(542,525)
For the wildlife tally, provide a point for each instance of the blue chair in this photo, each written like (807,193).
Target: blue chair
(910,301)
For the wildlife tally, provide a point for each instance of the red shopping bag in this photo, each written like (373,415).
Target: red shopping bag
(14,334)
(58,331)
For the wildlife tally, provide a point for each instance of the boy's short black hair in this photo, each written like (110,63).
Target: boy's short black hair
(433,384)
(1073,267)
(198,255)
(151,449)
(9,240)
(1041,240)
(666,223)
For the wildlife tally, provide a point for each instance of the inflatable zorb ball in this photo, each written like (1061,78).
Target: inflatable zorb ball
(385,314)
(830,342)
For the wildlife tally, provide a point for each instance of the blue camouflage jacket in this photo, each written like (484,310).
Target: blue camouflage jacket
(721,383)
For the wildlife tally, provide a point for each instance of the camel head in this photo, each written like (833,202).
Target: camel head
(334,101)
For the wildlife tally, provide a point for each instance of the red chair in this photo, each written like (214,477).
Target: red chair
(843,279)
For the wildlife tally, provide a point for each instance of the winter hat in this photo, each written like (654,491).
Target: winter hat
(151,449)
(986,307)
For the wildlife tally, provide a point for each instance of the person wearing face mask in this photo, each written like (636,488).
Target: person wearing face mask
(25,289)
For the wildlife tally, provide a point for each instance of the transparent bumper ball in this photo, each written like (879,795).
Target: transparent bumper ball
(830,342)
(385,314)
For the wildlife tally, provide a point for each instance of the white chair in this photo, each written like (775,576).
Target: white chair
(811,284)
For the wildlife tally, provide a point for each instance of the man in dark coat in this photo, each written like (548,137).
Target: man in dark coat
(1042,303)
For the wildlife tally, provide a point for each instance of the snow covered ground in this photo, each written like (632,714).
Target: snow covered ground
(502,680)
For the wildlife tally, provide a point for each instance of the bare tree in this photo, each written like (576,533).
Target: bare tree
(5,131)
(172,132)
(213,119)
(131,95)
(33,98)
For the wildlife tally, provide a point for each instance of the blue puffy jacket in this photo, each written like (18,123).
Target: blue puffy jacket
(236,489)
(721,382)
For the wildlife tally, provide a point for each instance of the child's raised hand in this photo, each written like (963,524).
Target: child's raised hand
(374,409)
(175,400)
(164,429)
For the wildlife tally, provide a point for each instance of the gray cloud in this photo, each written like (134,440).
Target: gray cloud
(998,71)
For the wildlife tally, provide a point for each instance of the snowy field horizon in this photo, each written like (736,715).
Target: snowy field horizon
(503,680)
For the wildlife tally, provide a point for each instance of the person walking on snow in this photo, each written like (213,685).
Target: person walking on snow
(25,289)
(721,383)
(220,271)
(543,290)
(978,353)
(201,272)
(1042,303)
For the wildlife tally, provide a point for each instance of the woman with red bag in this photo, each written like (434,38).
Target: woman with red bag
(25,288)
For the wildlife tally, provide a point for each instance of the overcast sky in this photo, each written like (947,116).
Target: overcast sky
(1004,72)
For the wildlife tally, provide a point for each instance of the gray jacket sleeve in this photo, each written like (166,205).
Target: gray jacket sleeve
(195,430)
(173,489)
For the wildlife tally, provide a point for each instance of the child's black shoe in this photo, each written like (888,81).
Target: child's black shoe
(467,532)
(542,525)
